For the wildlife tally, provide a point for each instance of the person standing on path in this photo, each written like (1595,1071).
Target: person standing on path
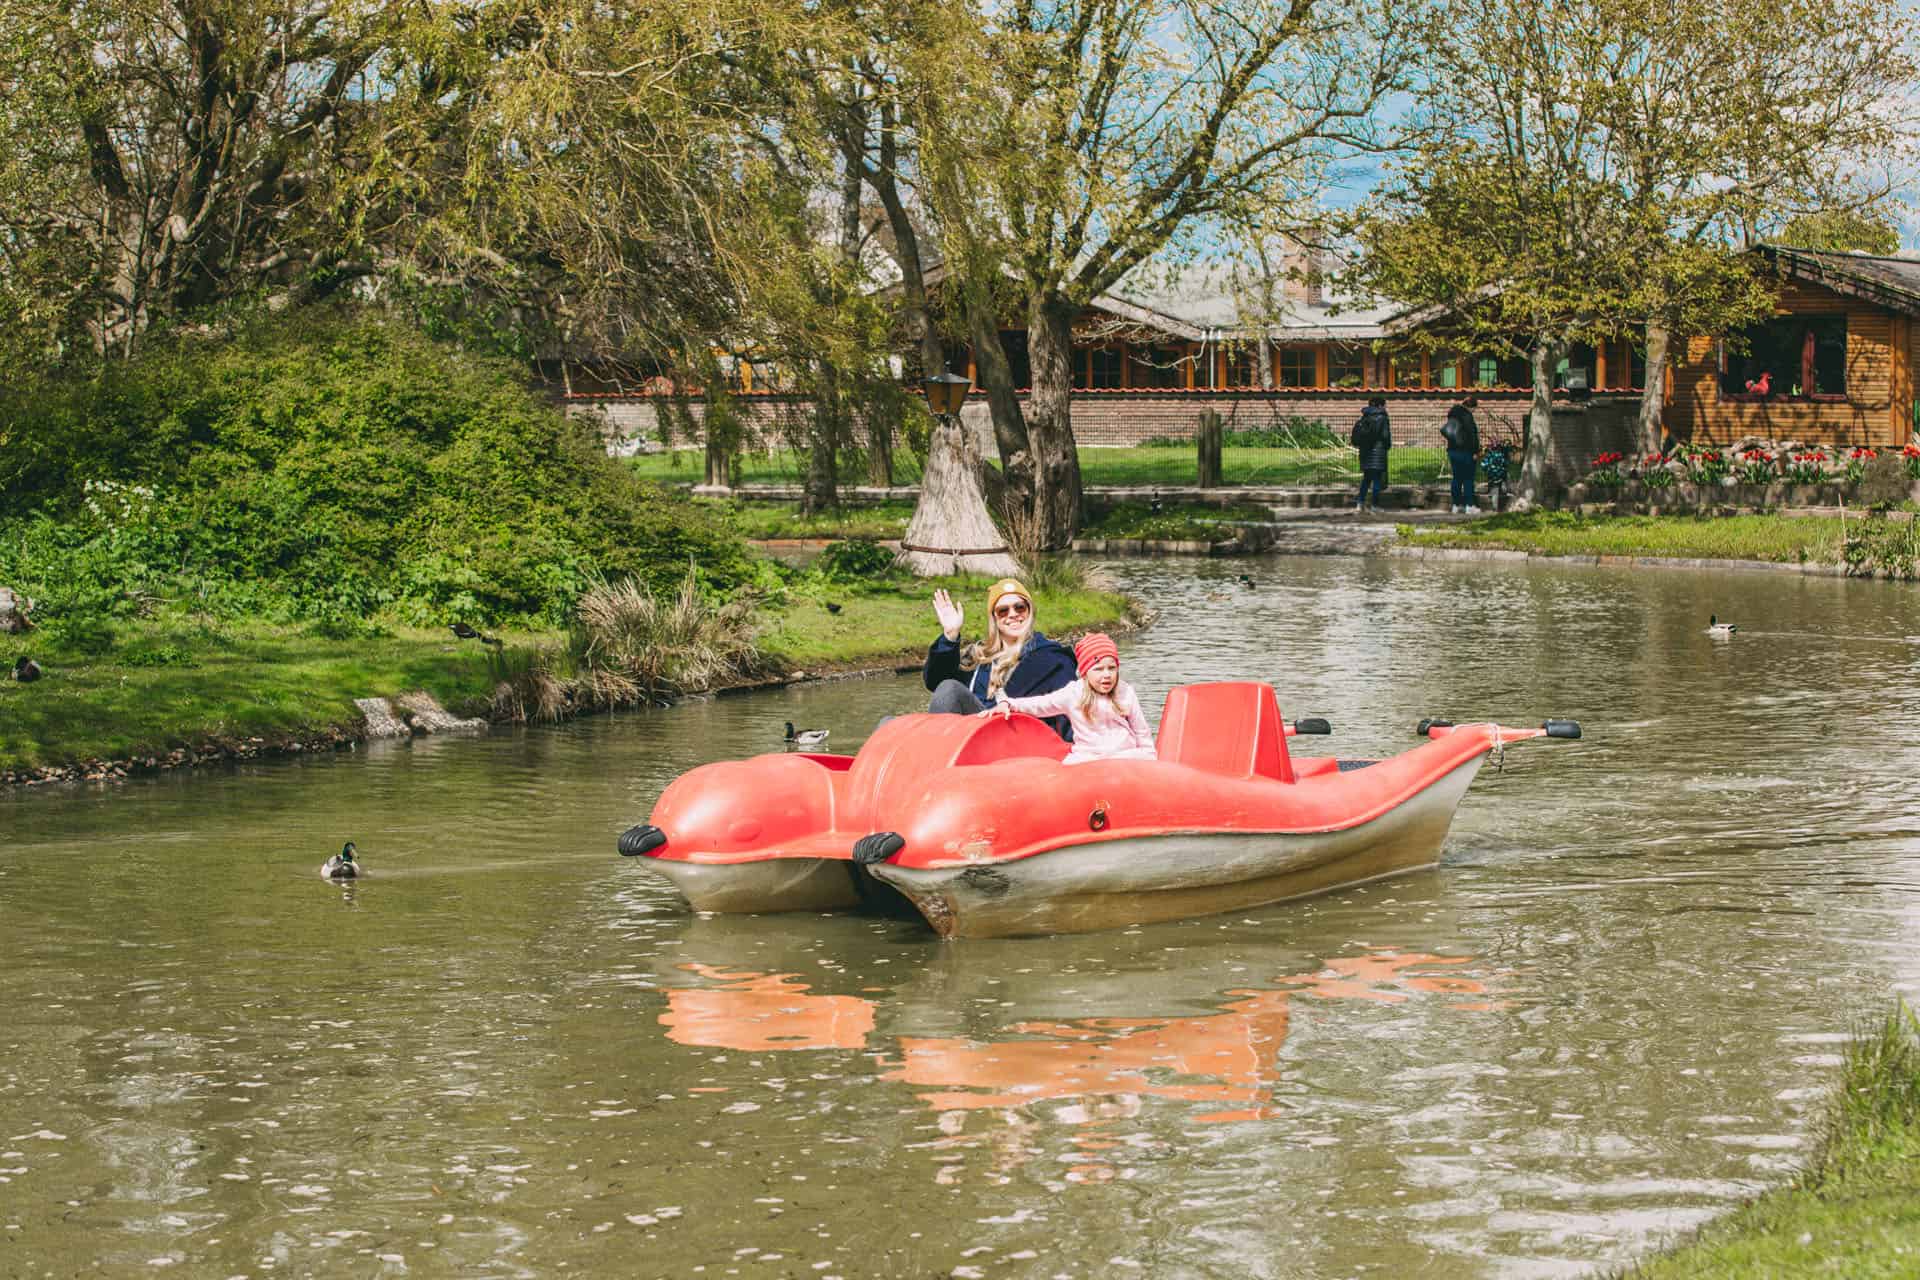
(1373,437)
(1462,435)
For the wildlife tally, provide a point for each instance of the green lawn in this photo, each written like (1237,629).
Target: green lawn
(166,683)
(1560,533)
(1151,465)
(1855,1211)
(1174,522)
(880,521)
(895,620)
(1142,465)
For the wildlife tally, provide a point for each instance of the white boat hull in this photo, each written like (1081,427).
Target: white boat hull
(1116,883)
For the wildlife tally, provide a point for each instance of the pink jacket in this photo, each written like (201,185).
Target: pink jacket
(1104,738)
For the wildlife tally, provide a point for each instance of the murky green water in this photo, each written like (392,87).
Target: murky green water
(1609,1015)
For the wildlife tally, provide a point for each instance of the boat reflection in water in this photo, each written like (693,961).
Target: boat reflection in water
(1089,1074)
(760,1011)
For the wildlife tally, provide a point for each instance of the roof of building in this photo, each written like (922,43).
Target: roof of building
(1201,303)
(1893,282)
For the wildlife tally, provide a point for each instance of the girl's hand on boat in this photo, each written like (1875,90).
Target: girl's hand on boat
(950,614)
(999,709)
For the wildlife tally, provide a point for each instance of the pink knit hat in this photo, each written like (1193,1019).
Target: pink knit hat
(1093,647)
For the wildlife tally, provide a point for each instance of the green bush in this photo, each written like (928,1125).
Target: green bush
(327,468)
(854,560)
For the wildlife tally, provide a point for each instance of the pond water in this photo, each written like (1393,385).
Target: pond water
(1609,1014)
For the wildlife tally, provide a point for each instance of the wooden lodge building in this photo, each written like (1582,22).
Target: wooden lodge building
(1835,366)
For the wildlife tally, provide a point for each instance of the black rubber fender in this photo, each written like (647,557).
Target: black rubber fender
(877,847)
(642,839)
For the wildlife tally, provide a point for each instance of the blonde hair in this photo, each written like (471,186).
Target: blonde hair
(1120,702)
(995,654)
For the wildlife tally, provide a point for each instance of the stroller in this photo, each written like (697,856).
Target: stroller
(1495,463)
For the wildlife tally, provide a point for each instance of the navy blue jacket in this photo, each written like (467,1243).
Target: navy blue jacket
(1045,665)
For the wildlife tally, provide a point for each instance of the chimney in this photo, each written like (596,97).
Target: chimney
(1303,269)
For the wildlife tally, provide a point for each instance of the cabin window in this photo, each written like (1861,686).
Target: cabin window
(1298,366)
(1406,371)
(1159,367)
(1107,364)
(1787,357)
(1346,367)
(1243,366)
(1486,371)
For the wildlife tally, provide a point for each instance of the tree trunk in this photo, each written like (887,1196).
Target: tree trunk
(1055,506)
(1653,397)
(1533,473)
(995,376)
(1207,437)
(879,449)
(951,531)
(822,489)
(1266,361)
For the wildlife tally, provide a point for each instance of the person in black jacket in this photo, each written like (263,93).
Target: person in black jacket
(1462,435)
(1014,660)
(1372,436)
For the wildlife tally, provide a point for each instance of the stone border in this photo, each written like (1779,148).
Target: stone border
(1508,555)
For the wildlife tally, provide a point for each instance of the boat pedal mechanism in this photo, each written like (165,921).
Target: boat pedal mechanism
(877,847)
(644,838)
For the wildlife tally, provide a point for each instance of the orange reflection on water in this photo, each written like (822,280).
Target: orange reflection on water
(758,1011)
(1225,1057)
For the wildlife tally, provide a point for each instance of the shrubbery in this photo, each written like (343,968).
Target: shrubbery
(337,469)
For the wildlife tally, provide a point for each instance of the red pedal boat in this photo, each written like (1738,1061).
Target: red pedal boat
(978,824)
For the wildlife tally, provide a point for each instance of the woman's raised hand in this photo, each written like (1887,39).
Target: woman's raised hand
(950,614)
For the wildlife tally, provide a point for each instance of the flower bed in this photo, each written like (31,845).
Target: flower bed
(1753,473)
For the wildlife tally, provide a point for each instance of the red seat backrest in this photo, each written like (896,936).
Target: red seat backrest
(1232,728)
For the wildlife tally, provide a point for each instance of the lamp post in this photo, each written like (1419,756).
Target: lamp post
(946,392)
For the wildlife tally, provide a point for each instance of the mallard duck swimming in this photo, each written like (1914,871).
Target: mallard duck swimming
(341,865)
(26,670)
(806,738)
(1715,627)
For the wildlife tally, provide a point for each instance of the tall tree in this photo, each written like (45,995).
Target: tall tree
(1065,143)
(1841,231)
(173,153)
(1622,151)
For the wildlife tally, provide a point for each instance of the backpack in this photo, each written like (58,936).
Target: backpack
(1450,432)
(1365,432)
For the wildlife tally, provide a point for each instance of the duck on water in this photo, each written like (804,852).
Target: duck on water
(342,865)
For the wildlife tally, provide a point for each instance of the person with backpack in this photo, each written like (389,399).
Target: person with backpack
(1373,437)
(1462,435)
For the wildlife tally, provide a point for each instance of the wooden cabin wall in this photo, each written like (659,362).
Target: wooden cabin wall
(1878,406)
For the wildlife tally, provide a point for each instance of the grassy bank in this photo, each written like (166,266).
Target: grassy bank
(172,683)
(1141,465)
(160,683)
(1557,533)
(895,620)
(1855,1211)
(1182,520)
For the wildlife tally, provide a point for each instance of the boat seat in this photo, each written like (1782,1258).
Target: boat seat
(1231,728)
(1008,739)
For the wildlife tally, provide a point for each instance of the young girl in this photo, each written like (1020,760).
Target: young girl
(1105,711)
